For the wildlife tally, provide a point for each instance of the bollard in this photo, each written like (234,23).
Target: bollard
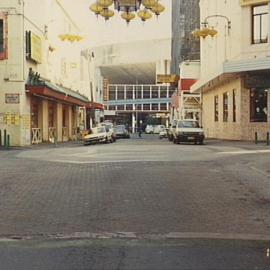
(5,138)
(256,137)
(8,141)
(0,137)
(267,138)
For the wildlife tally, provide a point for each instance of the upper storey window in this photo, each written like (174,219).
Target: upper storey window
(260,24)
(3,36)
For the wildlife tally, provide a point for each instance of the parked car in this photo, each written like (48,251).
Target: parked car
(98,135)
(188,131)
(121,132)
(158,128)
(163,133)
(149,129)
(109,126)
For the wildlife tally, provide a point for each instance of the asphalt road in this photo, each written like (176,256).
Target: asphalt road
(135,204)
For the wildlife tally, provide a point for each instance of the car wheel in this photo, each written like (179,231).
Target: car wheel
(201,142)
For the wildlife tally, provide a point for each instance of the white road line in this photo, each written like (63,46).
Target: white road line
(244,152)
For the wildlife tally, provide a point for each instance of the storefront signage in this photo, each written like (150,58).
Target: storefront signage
(258,81)
(171,78)
(12,98)
(33,47)
(36,50)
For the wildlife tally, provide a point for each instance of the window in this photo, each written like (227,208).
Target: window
(3,36)
(225,107)
(258,105)
(234,105)
(216,108)
(260,24)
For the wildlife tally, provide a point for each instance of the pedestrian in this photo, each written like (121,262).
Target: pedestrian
(140,131)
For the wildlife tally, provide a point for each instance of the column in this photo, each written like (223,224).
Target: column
(45,120)
(133,122)
(70,119)
(59,117)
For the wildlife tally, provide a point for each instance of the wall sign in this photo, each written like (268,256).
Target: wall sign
(12,98)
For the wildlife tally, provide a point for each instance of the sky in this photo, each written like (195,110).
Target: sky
(98,32)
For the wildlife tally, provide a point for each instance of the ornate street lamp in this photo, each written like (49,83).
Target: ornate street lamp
(206,30)
(144,8)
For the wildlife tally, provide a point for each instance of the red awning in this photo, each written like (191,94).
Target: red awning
(47,92)
(95,106)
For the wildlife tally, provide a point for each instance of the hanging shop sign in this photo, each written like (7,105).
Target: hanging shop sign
(12,98)
(33,47)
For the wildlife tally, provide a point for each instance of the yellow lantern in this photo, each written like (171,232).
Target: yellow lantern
(104,3)
(212,32)
(149,3)
(157,8)
(144,15)
(96,8)
(107,13)
(128,16)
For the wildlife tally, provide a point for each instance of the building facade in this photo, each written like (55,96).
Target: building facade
(41,98)
(134,105)
(235,67)
(185,18)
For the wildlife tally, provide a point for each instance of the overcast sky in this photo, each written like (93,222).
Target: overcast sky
(98,32)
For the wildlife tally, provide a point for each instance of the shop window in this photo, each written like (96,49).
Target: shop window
(216,108)
(260,24)
(154,107)
(234,105)
(138,107)
(225,107)
(258,105)
(3,36)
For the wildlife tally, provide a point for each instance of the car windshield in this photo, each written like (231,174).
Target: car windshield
(188,124)
(119,128)
(98,130)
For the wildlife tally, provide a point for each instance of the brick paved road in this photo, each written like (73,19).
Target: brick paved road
(191,190)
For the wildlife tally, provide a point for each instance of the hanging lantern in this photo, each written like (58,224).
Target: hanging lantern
(157,8)
(128,16)
(149,3)
(105,3)
(106,13)
(96,8)
(212,32)
(144,15)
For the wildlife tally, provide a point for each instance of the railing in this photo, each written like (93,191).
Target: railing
(65,134)
(52,134)
(36,136)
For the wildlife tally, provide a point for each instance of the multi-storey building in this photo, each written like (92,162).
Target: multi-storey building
(40,93)
(185,56)
(185,18)
(235,68)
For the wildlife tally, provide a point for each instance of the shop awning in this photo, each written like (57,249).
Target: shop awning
(46,89)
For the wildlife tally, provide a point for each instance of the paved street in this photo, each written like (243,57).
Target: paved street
(136,189)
